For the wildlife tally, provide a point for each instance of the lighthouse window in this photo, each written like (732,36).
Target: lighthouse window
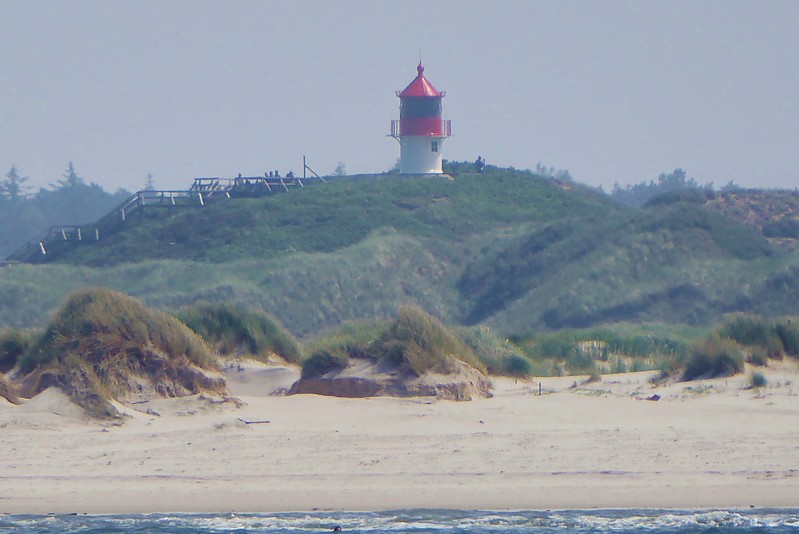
(420,107)
(434,146)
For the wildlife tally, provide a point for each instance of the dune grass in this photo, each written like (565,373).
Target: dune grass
(763,338)
(13,344)
(231,329)
(712,358)
(424,344)
(415,340)
(610,349)
(103,345)
(498,354)
(333,350)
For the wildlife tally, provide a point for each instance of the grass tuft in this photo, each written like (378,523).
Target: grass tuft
(713,357)
(334,349)
(421,341)
(230,329)
(499,355)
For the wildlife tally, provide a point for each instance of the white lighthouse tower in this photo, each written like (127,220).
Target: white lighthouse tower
(420,129)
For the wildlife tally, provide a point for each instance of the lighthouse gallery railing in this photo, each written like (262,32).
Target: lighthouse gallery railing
(446,128)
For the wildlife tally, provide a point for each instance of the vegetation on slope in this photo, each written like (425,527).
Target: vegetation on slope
(231,329)
(13,344)
(334,349)
(424,344)
(676,264)
(506,249)
(415,341)
(340,213)
(103,345)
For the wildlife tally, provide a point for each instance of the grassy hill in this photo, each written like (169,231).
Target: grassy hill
(328,217)
(506,248)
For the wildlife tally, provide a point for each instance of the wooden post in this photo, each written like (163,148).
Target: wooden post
(97,234)
(63,234)
(540,389)
(80,238)
(123,213)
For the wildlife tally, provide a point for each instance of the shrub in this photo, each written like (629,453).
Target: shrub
(498,354)
(782,228)
(757,356)
(753,331)
(13,344)
(424,344)
(758,380)
(354,338)
(713,357)
(229,328)
(789,336)
(349,340)
(322,362)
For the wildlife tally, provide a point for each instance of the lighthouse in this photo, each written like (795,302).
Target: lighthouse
(420,129)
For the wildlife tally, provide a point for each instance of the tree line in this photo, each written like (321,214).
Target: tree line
(637,195)
(25,214)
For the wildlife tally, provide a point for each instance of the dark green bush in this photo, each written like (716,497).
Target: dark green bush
(758,380)
(499,355)
(230,328)
(356,339)
(519,366)
(13,344)
(754,331)
(782,228)
(712,358)
(757,356)
(322,362)
(788,333)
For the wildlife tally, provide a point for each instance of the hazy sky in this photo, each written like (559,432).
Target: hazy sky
(611,91)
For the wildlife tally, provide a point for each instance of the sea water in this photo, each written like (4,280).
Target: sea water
(419,521)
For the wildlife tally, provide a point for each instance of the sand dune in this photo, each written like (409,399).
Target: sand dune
(703,444)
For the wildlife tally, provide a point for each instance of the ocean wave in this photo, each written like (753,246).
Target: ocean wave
(420,521)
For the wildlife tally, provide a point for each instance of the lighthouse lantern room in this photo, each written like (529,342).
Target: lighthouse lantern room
(420,130)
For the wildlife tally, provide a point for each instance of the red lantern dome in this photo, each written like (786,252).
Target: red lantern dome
(420,130)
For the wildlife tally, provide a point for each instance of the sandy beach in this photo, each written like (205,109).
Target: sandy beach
(711,443)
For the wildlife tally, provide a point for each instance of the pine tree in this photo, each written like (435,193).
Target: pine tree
(13,187)
(71,178)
